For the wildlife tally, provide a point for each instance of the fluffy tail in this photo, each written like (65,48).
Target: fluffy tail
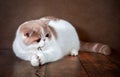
(95,47)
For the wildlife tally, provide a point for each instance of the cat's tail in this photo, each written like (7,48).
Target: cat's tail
(95,47)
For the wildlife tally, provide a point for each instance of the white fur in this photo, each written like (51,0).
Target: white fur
(55,49)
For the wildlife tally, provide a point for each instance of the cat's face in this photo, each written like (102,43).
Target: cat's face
(36,34)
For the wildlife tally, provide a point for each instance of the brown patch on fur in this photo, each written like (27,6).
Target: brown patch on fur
(31,31)
(51,18)
(53,31)
(47,19)
(106,50)
(48,29)
(30,26)
(95,47)
(30,40)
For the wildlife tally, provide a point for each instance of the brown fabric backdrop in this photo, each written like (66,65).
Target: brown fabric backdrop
(95,20)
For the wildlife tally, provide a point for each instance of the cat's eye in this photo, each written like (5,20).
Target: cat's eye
(38,40)
(27,34)
(47,35)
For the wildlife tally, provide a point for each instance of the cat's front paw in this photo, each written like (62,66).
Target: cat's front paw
(35,61)
(42,59)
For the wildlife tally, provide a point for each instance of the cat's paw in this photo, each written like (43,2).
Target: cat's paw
(42,58)
(35,61)
(74,52)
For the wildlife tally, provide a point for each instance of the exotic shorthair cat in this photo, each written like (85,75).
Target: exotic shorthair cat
(49,39)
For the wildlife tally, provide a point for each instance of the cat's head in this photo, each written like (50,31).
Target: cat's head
(36,33)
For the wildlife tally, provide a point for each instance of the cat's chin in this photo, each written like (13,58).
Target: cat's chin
(40,48)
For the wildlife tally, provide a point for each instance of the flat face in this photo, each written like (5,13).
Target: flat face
(34,32)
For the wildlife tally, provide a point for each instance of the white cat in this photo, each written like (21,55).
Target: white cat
(49,39)
(45,40)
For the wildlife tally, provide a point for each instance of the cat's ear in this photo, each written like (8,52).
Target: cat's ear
(52,31)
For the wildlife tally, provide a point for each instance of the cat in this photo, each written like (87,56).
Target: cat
(49,39)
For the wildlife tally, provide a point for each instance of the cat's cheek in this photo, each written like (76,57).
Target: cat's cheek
(27,42)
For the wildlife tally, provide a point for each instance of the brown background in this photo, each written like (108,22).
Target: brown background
(95,20)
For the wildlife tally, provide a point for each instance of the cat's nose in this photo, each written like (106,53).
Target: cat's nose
(43,39)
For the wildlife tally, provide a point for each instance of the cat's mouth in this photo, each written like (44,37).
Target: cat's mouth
(40,48)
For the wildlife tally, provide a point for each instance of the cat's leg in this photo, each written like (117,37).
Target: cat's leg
(35,60)
(74,52)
